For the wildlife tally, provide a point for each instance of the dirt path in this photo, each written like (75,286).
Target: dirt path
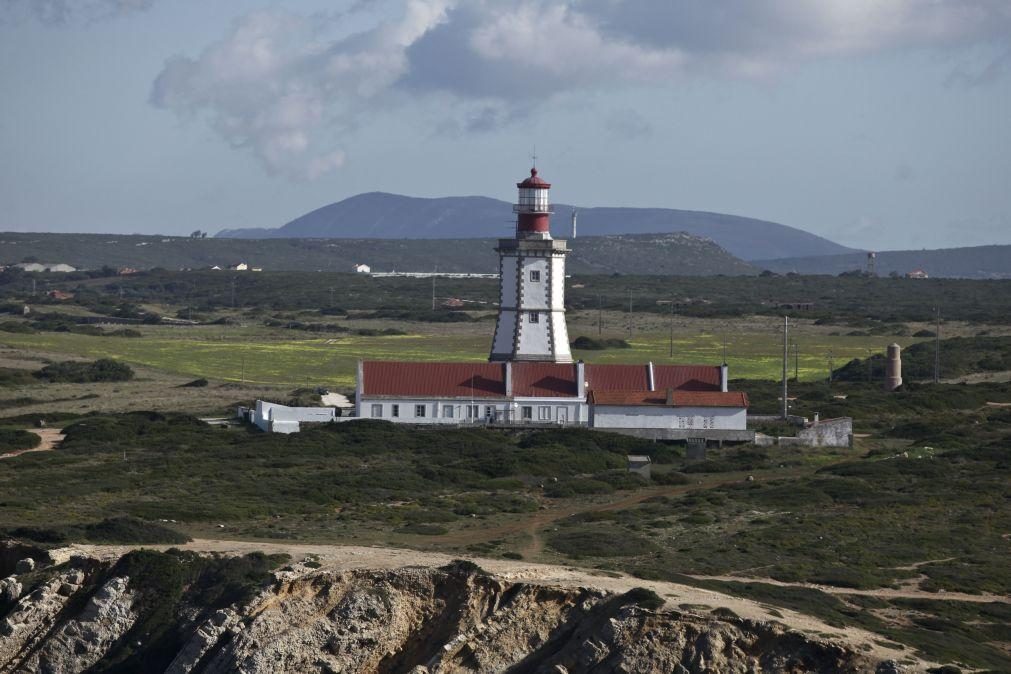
(344,557)
(51,439)
(882,593)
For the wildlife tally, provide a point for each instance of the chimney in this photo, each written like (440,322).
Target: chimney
(670,396)
(816,416)
(650,377)
(509,378)
(581,380)
(724,375)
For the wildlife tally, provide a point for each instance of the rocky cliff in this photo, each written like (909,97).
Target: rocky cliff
(179,612)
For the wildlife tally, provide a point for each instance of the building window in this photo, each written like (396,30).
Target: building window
(534,317)
(489,412)
(377,411)
(535,275)
(527,412)
(419,410)
(544,413)
(473,411)
(395,410)
(447,411)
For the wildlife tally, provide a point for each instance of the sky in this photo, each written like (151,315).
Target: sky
(880,124)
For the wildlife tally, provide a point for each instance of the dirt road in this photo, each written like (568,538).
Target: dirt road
(51,439)
(881,593)
(343,557)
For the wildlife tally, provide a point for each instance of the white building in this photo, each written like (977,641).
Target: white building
(42,266)
(362,269)
(275,418)
(530,378)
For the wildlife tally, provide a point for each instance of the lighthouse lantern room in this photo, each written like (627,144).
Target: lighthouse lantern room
(531,319)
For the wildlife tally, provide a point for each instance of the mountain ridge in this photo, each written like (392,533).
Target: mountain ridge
(982,262)
(383,215)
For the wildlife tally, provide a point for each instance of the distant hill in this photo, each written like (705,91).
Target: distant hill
(378,215)
(992,262)
(671,254)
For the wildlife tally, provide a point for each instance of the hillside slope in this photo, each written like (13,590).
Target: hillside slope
(675,253)
(970,262)
(392,216)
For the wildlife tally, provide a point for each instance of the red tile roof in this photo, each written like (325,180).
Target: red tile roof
(635,377)
(458,380)
(544,379)
(680,398)
(529,379)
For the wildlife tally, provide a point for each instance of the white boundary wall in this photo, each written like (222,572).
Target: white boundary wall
(680,418)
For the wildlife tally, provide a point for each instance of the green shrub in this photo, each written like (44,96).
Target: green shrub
(196,383)
(670,477)
(17,327)
(591,344)
(419,529)
(12,439)
(102,370)
(599,541)
(644,598)
(126,332)
(13,377)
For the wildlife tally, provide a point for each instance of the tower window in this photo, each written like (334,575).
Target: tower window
(535,275)
(534,317)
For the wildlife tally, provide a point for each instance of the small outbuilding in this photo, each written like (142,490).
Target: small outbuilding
(640,464)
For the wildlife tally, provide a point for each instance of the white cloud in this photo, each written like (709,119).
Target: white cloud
(288,86)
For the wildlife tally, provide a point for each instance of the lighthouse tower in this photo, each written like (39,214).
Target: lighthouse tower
(531,318)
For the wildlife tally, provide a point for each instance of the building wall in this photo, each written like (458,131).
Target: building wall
(829,433)
(505,327)
(271,417)
(542,410)
(681,418)
(534,298)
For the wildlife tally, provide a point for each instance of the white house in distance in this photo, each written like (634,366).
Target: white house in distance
(530,378)
(362,269)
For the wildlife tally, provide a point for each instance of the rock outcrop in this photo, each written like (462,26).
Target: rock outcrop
(450,620)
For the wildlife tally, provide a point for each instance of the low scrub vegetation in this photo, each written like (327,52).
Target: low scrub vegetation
(73,372)
(12,439)
(599,344)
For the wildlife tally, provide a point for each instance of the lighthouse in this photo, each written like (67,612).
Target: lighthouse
(531,317)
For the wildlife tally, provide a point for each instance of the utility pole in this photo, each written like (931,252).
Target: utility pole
(672,329)
(786,358)
(243,370)
(630,312)
(600,315)
(870,365)
(433,293)
(937,346)
(830,368)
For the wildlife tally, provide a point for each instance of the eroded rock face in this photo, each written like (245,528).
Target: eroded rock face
(431,620)
(421,620)
(83,640)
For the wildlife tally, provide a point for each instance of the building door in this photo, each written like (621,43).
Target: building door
(562,415)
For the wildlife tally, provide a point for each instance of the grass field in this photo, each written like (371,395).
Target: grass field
(277,356)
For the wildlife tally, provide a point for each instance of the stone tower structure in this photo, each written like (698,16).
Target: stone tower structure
(531,318)
(893,367)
